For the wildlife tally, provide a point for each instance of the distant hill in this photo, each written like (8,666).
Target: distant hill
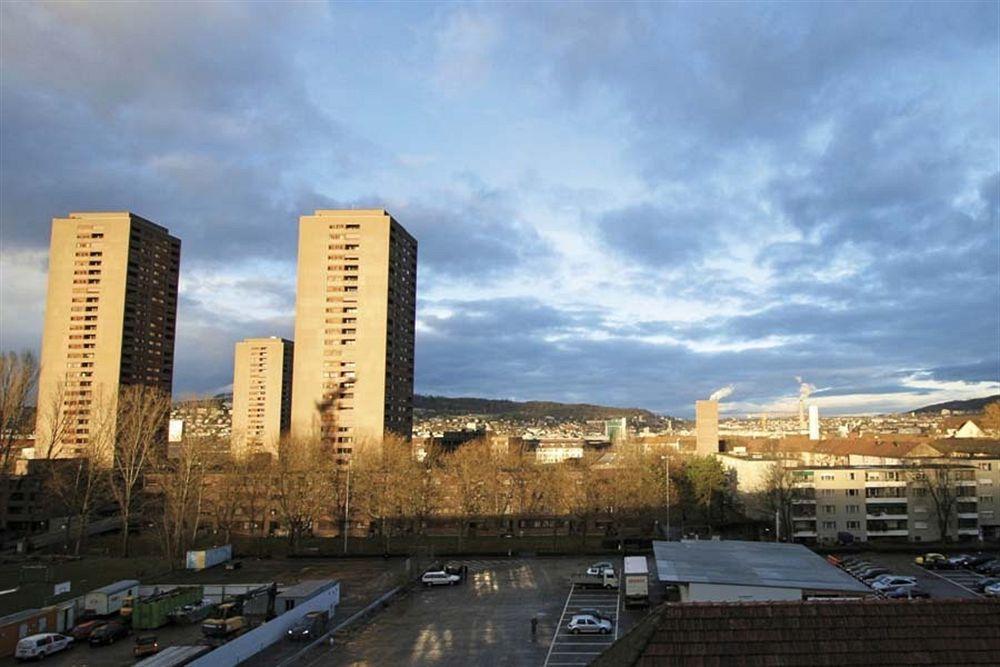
(446,406)
(970,405)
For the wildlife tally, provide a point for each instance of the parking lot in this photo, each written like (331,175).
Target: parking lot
(939,584)
(486,621)
(570,649)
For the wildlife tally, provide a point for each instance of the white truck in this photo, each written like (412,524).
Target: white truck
(636,577)
(108,600)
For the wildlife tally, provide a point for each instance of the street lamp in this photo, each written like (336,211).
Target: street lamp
(666,465)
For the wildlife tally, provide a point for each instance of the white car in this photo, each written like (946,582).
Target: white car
(597,569)
(892,582)
(992,590)
(36,647)
(439,578)
(587,624)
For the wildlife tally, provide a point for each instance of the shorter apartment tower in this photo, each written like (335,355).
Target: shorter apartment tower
(262,394)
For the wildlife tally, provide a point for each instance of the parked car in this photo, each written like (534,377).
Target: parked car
(976,560)
(439,578)
(931,561)
(108,633)
(587,624)
(600,615)
(597,569)
(892,582)
(36,647)
(956,562)
(905,593)
(872,572)
(81,631)
(308,627)
(993,591)
(990,568)
(857,567)
(983,583)
(145,645)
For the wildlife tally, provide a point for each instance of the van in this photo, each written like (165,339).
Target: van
(38,646)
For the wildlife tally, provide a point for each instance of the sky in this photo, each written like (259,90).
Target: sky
(624,204)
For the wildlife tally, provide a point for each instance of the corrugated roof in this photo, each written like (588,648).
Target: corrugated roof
(869,632)
(769,564)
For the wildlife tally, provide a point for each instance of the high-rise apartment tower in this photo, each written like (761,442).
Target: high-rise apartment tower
(262,394)
(354,327)
(110,317)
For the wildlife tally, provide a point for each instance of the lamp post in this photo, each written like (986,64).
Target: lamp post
(666,466)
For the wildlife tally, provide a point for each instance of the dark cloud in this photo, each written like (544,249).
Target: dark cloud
(850,150)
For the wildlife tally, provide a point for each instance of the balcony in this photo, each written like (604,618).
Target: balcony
(804,533)
(885,499)
(895,532)
(968,515)
(885,483)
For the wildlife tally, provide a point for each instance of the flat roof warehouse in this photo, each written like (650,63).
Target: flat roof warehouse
(756,564)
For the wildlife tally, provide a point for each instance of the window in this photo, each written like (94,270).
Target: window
(828,476)
(853,525)
(920,525)
(853,509)
(829,525)
(852,492)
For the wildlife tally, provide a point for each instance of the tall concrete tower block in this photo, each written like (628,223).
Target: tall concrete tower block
(814,422)
(706,414)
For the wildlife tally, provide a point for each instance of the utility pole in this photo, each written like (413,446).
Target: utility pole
(347,505)
(777,525)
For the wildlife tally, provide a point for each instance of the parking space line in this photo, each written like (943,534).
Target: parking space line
(558,625)
(952,581)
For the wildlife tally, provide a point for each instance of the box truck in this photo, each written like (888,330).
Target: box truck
(636,576)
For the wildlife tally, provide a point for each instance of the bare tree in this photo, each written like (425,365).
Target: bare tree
(778,494)
(141,416)
(18,379)
(940,483)
(468,483)
(301,486)
(181,481)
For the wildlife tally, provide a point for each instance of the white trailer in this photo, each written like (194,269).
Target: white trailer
(108,599)
(636,577)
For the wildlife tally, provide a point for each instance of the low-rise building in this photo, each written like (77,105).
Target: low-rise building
(733,571)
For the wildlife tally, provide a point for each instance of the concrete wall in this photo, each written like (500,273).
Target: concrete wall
(258,639)
(696,592)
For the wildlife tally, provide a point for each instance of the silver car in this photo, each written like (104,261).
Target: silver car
(587,624)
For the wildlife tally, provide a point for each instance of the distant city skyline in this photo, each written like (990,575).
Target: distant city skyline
(625,205)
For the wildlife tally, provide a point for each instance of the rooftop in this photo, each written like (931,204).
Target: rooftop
(768,564)
(847,632)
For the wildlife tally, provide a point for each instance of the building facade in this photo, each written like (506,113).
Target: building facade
(898,503)
(110,320)
(262,394)
(706,414)
(354,329)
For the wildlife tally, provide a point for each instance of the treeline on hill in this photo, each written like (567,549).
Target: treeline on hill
(447,406)
(969,405)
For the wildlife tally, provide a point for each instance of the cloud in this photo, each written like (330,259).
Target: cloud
(618,203)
